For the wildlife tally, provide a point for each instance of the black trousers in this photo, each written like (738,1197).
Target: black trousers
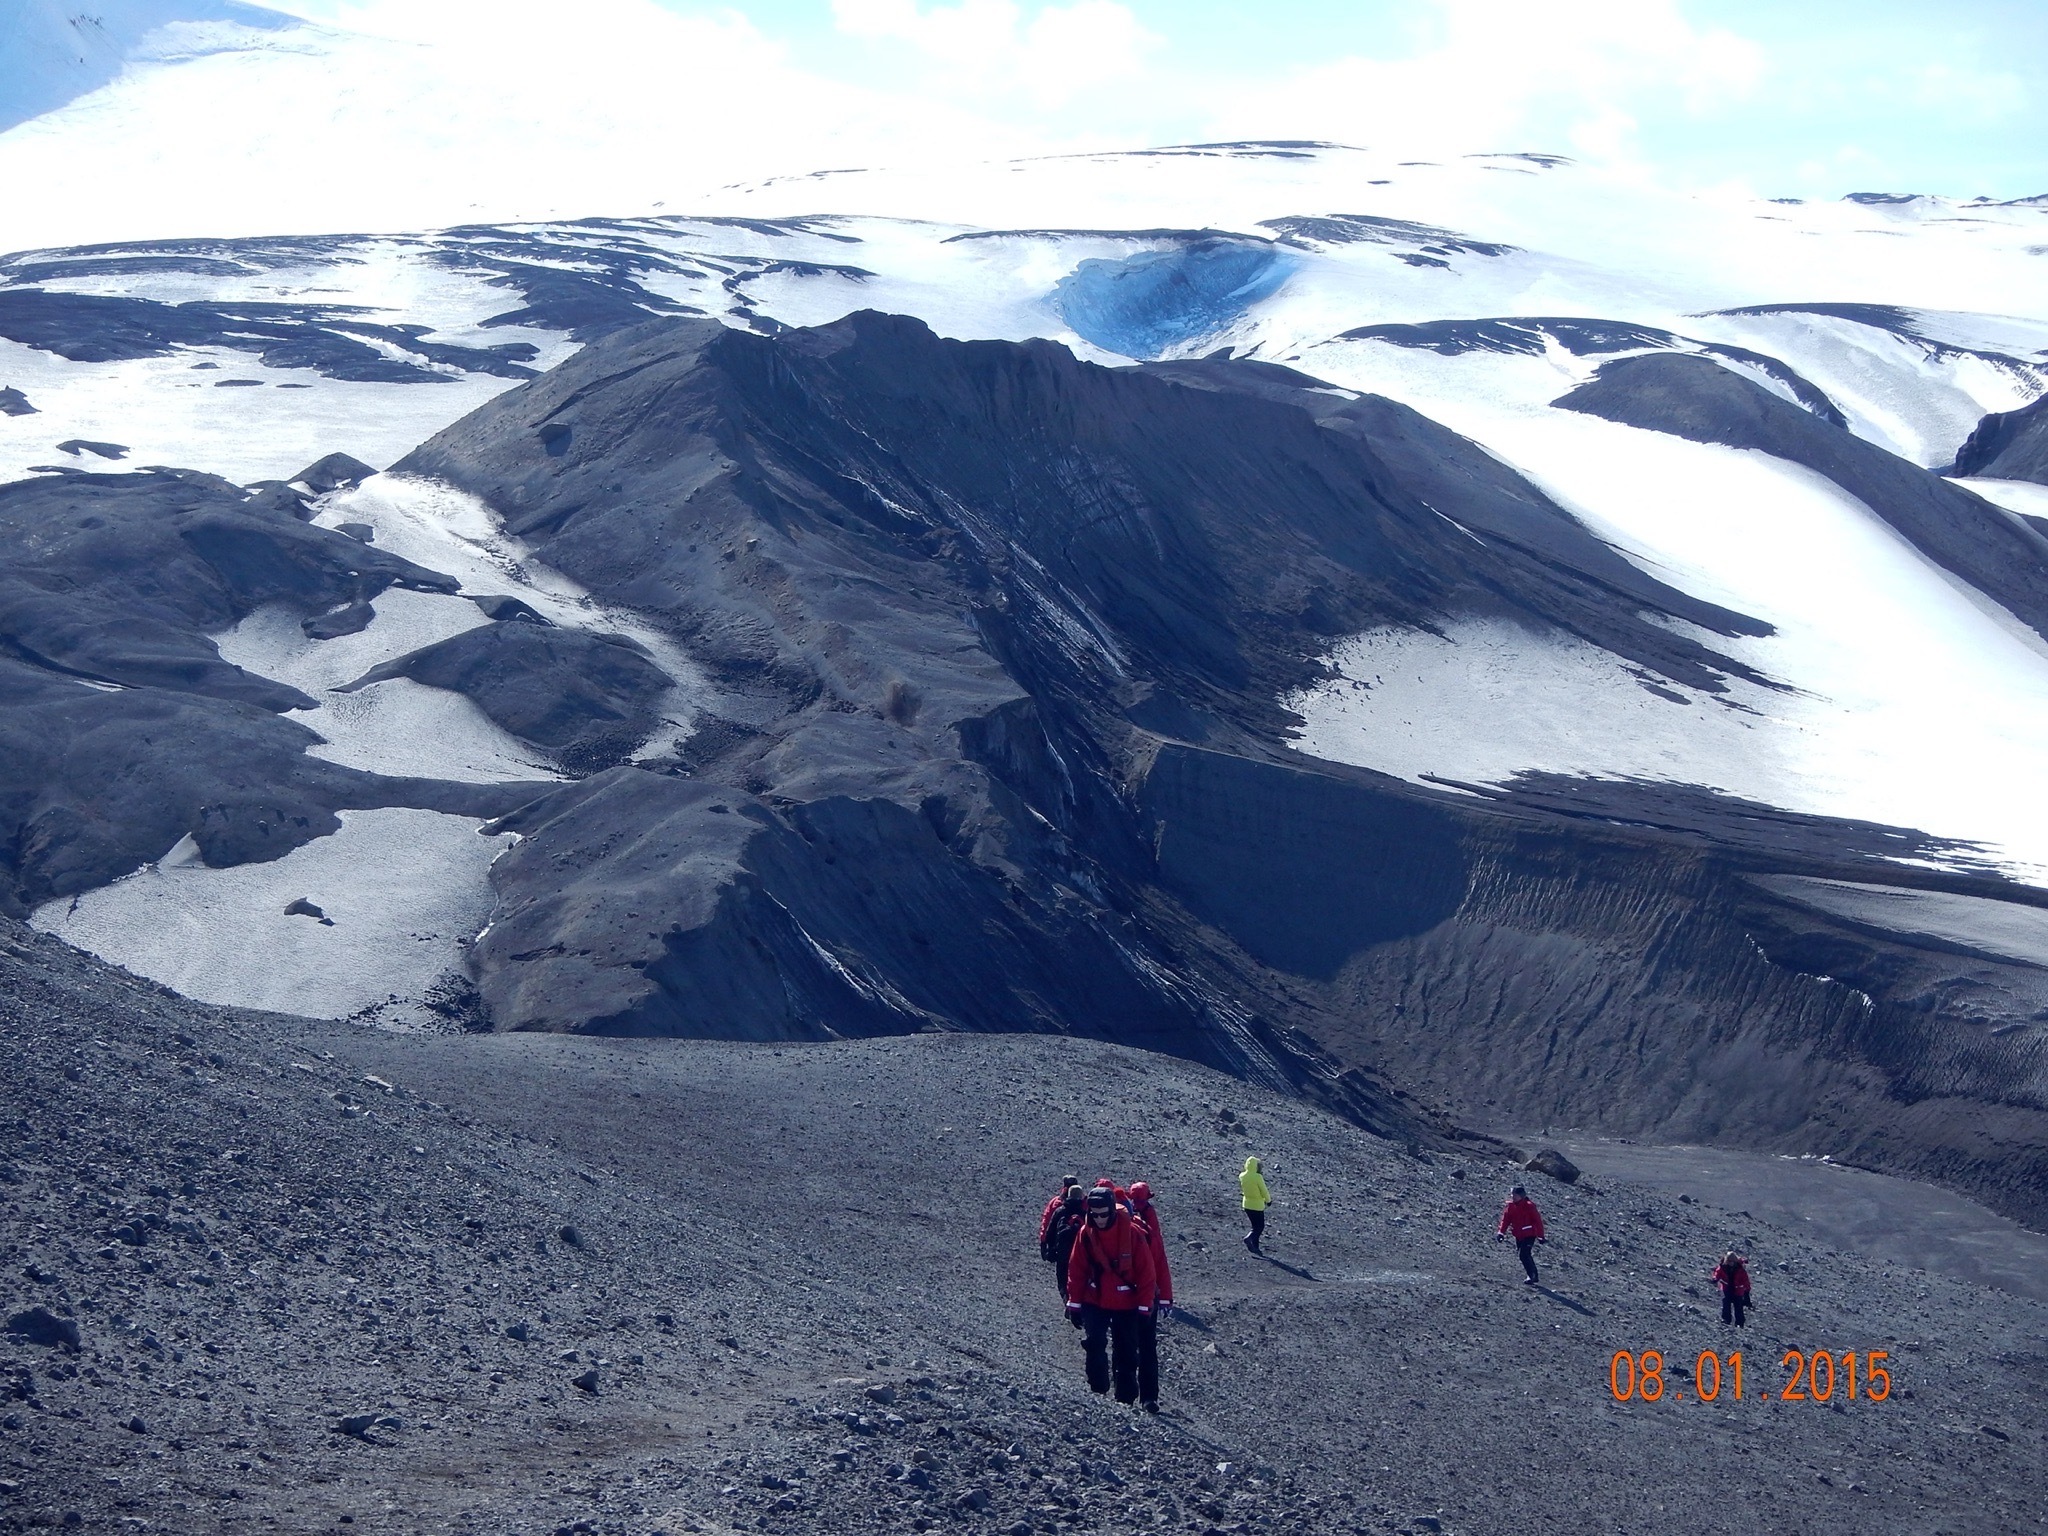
(1148,1356)
(1258,1221)
(1112,1340)
(1732,1308)
(1059,1273)
(1523,1249)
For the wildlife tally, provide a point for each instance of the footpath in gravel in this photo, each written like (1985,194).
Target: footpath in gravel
(266,1274)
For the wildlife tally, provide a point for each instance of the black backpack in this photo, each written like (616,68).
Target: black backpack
(1066,1226)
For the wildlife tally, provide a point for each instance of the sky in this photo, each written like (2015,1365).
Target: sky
(1807,98)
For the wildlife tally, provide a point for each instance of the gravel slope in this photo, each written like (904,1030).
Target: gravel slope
(805,1280)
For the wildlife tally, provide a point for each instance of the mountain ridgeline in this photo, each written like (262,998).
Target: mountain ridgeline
(997,639)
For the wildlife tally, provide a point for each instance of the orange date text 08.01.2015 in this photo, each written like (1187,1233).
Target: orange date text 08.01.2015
(1819,1377)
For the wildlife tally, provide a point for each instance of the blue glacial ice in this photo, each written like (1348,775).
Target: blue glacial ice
(1146,305)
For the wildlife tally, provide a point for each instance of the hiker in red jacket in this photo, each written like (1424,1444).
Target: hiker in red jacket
(1524,1223)
(1147,1215)
(1110,1287)
(1732,1276)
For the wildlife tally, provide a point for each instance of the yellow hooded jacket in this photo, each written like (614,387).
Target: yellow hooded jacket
(1253,1183)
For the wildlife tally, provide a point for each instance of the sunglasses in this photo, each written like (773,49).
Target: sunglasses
(1102,1215)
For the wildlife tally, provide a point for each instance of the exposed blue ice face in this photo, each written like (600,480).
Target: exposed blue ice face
(1145,305)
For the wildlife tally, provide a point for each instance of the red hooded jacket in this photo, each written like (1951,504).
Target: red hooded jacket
(1733,1280)
(1521,1219)
(1148,1216)
(1111,1267)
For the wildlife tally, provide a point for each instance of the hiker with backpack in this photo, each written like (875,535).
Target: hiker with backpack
(1731,1276)
(1521,1220)
(1251,1186)
(1111,1287)
(1147,1216)
(1063,1218)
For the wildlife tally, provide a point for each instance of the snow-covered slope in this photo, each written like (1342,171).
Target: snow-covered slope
(54,51)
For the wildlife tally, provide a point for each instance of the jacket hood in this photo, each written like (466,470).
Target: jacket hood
(1251,1165)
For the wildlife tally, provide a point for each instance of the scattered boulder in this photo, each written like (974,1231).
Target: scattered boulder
(336,472)
(39,1325)
(350,619)
(80,445)
(304,908)
(1554,1163)
(520,1331)
(362,533)
(587,1382)
(504,609)
(14,403)
(571,1236)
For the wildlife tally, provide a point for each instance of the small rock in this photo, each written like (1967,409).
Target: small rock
(1996,1434)
(357,1424)
(571,1236)
(1427,1523)
(884,1395)
(1021,1528)
(975,1499)
(304,908)
(520,1331)
(136,1426)
(587,1382)
(770,1480)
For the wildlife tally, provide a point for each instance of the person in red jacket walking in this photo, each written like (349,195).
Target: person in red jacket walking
(1110,1287)
(1147,1215)
(1732,1276)
(1524,1223)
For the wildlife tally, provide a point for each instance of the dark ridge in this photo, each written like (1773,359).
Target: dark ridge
(14,403)
(2007,445)
(1693,397)
(93,328)
(76,446)
(95,783)
(1309,232)
(588,699)
(1905,324)
(1880,199)
(28,273)
(1178,235)
(120,578)
(1548,162)
(1526,335)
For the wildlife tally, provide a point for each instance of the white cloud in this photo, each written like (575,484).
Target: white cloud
(978,46)
(1515,74)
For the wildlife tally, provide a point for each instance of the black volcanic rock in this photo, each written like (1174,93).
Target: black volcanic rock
(14,403)
(2008,445)
(995,641)
(589,699)
(96,782)
(942,572)
(1690,397)
(120,578)
(332,473)
(79,445)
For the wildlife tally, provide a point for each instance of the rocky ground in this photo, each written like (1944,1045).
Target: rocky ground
(327,1279)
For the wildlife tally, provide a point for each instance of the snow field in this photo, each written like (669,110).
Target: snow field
(1916,702)
(450,531)
(404,889)
(397,727)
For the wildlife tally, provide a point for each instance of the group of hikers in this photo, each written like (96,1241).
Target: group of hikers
(1108,1254)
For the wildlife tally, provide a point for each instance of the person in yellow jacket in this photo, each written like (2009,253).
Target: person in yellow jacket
(1256,1198)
